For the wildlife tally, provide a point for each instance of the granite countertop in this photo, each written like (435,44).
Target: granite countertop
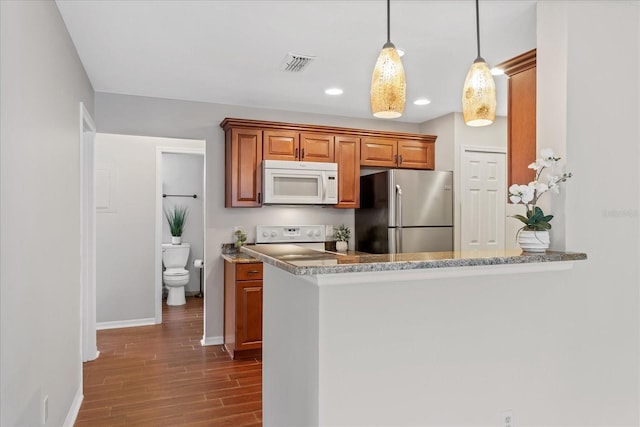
(231,254)
(303,261)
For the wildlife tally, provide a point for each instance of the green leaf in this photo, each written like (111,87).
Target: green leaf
(521,218)
(543,226)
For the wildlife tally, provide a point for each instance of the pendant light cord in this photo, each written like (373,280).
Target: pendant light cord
(478,28)
(389,21)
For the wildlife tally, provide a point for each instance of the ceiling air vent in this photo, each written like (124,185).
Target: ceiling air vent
(295,63)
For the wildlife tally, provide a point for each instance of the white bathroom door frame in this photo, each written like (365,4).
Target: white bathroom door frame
(89,347)
(160,218)
(498,155)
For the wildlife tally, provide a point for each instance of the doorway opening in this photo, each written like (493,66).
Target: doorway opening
(180,182)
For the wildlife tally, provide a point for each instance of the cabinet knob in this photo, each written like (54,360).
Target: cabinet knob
(400,158)
(302,157)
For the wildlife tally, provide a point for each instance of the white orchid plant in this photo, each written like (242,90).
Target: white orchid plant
(529,194)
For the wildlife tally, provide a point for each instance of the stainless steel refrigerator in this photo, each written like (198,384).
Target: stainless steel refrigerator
(405,211)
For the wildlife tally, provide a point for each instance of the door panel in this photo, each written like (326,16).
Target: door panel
(483,188)
(378,152)
(316,147)
(281,145)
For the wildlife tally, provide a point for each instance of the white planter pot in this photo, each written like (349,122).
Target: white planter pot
(534,241)
(342,246)
(176,240)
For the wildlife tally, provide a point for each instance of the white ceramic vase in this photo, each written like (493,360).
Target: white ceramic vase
(176,240)
(534,241)
(341,246)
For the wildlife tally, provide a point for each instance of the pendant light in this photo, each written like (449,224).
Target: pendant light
(388,86)
(479,92)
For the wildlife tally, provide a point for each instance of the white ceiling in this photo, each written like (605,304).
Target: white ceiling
(230,52)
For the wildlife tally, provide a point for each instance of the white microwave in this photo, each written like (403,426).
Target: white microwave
(299,183)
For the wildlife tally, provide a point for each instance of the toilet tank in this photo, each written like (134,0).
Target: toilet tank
(175,256)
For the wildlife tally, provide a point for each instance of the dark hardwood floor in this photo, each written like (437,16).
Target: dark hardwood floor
(161,376)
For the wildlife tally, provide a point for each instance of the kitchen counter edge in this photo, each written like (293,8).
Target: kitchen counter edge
(416,261)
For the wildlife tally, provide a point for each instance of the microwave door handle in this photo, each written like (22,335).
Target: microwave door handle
(398,219)
(324,186)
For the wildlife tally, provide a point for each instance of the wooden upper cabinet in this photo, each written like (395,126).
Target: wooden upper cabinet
(248,142)
(243,168)
(316,147)
(398,153)
(281,145)
(379,152)
(521,116)
(416,154)
(347,156)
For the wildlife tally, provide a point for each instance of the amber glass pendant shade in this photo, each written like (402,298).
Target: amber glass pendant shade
(388,85)
(479,91)
(479,95)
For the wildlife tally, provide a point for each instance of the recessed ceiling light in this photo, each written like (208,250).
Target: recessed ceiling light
(495,71)
(333,91)
(422,101)
(400,51)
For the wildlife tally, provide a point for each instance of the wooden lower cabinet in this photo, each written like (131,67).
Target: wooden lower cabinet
(243,309)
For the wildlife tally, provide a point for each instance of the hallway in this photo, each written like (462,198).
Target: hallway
(161,376)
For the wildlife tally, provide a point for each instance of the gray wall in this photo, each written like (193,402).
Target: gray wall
(42,83)
(181,119)
(184,174)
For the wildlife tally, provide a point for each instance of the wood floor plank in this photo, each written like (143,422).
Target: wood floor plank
(161,376)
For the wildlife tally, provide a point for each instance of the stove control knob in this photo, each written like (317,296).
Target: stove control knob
(265,234)
(317,233)
(274,234)
(310,233)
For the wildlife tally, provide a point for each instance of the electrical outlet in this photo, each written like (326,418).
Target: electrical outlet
(329,232)
(507,419)
(45,409)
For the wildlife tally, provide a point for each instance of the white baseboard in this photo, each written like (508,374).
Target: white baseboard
(125,323)
(72,415)
(212,341)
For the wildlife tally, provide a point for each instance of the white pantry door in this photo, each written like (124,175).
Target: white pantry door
(483,200)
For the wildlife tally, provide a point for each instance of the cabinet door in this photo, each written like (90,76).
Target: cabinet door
(243,168)
(316,147)
(249,314)
(378,152)
(415,154)
(522,126)
(347,155)
(281,145)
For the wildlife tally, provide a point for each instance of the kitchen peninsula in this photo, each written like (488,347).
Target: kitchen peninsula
(394,339)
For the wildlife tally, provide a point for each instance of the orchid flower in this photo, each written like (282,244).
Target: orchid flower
(529,194)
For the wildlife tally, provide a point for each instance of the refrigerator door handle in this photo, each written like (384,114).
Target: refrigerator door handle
(398,219)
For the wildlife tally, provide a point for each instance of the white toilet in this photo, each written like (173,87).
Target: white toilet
(175,277)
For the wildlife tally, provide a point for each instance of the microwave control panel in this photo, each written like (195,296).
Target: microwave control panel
(332,188)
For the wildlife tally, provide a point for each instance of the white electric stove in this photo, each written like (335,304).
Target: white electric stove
(310,236)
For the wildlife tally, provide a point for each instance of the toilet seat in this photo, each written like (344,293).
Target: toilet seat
(175,272)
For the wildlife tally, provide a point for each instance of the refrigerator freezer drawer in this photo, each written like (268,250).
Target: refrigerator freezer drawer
(420,239)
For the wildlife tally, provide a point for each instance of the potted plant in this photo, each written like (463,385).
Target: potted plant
(176,218)
(240,236)
(342,235)
(534,235)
